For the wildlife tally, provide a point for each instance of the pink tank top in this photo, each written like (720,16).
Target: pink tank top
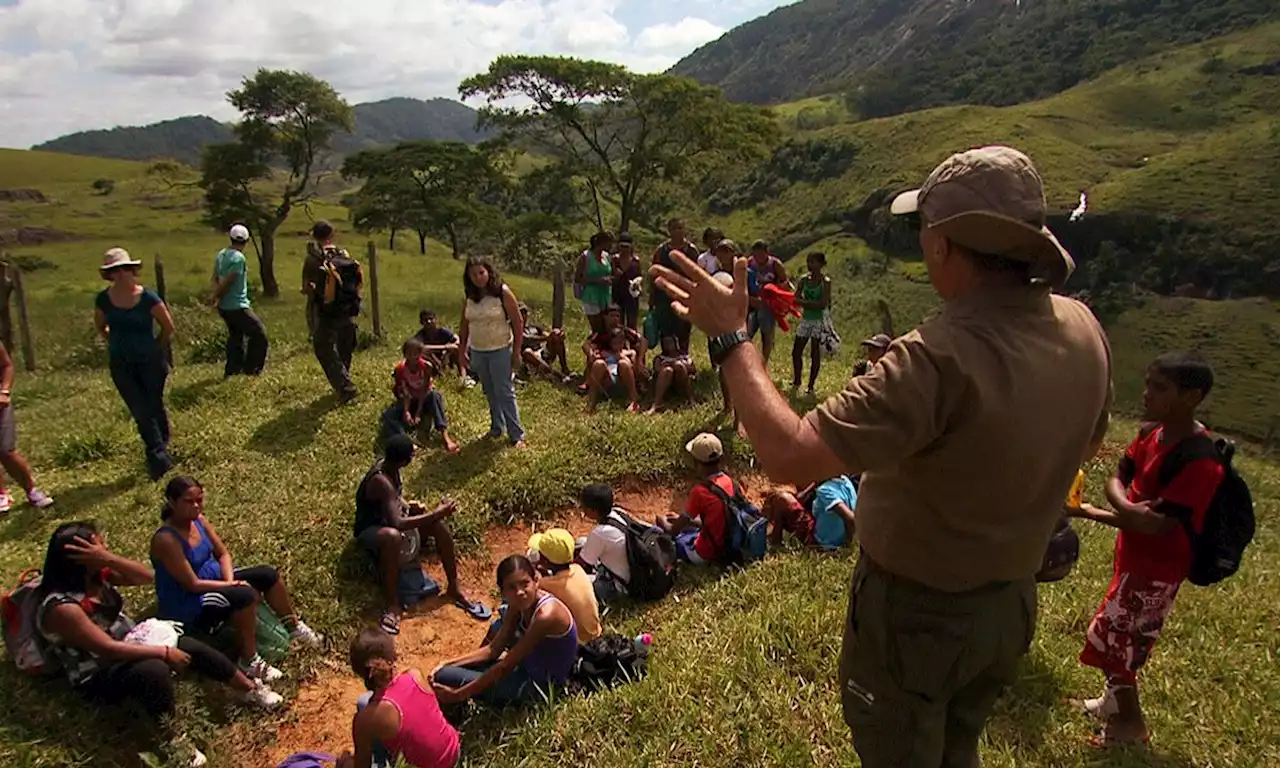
(426,740)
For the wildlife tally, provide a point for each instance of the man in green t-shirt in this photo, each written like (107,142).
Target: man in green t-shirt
(246,335)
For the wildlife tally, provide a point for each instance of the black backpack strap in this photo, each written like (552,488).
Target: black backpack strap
(1191,449)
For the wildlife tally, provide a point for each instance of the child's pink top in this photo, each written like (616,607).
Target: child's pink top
(426,740)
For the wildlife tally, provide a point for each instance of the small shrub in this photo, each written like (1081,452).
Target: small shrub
(366,340)
(104,186)
(78,450)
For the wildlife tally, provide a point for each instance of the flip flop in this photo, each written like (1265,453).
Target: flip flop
(390,623)
(476,610)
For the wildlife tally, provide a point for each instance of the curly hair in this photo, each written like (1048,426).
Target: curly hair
(474,292)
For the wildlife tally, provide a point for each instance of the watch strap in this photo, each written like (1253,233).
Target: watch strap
(720,346)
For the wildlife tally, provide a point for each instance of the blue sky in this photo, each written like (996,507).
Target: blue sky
(68,65)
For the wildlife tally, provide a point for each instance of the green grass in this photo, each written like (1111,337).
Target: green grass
(744,668)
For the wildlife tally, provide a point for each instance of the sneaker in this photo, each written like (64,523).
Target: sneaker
(1102,707)
(198,760)
(468,382)
(6,502)
(258,669)
(306,635)
(39,499)
(262,696)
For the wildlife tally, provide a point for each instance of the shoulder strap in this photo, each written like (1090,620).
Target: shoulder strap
(1193,448)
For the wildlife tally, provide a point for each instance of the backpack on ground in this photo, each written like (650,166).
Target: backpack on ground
(746,532)
(22,639)
(651,556)
(1229,522)
(341,281)
(609,660)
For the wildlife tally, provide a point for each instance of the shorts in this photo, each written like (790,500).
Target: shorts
(591,310)
(218,606)
(1128,623)
(760,319)
(684,546)
(799,522)
(410,543)
(809,329)
(8,432)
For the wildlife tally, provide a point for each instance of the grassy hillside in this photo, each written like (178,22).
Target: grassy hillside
(280,463)
(900,55)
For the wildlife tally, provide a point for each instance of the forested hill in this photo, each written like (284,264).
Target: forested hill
(902,55)
(379,123)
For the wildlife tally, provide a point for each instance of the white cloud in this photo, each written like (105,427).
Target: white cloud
(70,65)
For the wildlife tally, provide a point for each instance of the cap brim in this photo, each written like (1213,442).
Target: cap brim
(907,202)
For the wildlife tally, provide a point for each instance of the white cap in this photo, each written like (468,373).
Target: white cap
(239,233)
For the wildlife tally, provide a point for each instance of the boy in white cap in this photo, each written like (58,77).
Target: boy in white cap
(246,335)
(700,530)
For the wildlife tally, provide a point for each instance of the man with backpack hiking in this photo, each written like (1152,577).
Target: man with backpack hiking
(333,283)
(967,434)
(1163,492)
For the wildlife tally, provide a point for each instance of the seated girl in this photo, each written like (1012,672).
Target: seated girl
(416,397)
(399,715)
(197,584)
(532,653)
(673,367)
(615,364)
(81,617)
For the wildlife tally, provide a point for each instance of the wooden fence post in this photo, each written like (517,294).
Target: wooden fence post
(373,288)
(160,291)
(24,323)
(6,290)
(557,296)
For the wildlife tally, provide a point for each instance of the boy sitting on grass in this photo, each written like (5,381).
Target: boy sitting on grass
(699,532)
(1153,552)
(416,397)
(440,344)
(553,553)
(541,348)
(673,367)
(820,516)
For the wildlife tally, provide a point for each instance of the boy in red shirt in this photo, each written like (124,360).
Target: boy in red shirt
(699,531)
(1153,552)
(416,396)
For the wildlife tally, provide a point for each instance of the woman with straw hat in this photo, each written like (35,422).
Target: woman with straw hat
(126,314)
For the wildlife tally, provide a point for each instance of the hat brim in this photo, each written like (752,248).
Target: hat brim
(118,265)
(874,344)
(907,202)
(998,235)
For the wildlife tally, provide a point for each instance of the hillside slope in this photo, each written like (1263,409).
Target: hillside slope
(378,123)
(911,54)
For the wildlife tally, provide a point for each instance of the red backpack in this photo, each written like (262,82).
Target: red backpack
(18,609)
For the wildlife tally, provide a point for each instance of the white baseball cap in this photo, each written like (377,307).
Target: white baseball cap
(239,233)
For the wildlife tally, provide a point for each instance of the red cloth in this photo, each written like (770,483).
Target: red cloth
(781,303)
(704,505)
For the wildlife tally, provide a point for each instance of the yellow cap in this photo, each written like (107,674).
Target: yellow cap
(556,545)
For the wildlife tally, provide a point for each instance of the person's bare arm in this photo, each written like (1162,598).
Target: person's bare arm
(77,630)
(6,376)
(783,280)
(100,323)
(168,552)
(165,320)
(491,652)
(545,621)
(220,551)
(512,306)
(94,555)
(464,335)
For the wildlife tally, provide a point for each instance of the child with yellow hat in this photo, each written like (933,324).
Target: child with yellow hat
(553,551)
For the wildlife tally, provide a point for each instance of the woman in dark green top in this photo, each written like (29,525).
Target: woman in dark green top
(813,296)
(125,314)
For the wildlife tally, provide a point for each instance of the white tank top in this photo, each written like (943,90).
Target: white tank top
(488,325)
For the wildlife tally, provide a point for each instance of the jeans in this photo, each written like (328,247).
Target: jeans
(430,410)
(494,371)
(382,757)
(141,386)
(246,342)
(334,342)
(515,688)
(150,682)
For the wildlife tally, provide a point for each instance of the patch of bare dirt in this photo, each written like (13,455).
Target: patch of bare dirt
(319,719)
(35,236)
(22,196)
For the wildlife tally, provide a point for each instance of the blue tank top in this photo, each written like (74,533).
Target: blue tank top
(175,603)
(551,660)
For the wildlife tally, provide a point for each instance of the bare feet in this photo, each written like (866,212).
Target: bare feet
(451,445)
(653,410)
(520,445)
(634,407)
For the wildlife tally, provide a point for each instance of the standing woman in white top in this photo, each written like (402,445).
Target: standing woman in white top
(490,338)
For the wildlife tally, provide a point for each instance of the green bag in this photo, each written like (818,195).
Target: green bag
(273,638)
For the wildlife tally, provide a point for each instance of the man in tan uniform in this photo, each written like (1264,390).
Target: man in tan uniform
(968,433)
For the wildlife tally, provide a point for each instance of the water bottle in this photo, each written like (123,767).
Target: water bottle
(643,641)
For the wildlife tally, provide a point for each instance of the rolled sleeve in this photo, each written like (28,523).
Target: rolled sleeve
(893,412)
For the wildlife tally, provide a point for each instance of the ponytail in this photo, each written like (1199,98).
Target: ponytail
(378,674)
(373,658)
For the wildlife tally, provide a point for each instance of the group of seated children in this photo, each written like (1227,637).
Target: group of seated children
(418,404)
(615,357)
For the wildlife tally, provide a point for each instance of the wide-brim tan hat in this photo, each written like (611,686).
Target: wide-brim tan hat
(991,201)
(116,258)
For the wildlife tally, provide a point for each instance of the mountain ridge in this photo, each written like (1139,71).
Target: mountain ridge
(378,123)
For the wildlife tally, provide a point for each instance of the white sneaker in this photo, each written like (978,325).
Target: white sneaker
(1102,707)
(39,499)
(306,635)
(258,669)
(468,382)
(6,502)
(198,760)
(262,696)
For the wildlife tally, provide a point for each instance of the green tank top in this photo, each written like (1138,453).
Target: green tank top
(599,295)
(811,291)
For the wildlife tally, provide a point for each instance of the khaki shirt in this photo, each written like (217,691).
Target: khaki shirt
(969,433)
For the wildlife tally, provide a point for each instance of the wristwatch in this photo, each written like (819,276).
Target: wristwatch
(718,347)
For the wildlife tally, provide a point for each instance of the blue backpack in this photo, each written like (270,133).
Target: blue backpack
(746,534)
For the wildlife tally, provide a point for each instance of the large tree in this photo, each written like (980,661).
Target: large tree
(432,187)
(288,120)
(622,134)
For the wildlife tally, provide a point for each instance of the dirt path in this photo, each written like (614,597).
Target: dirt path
(319,719)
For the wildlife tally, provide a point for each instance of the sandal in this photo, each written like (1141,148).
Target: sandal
(476,610)
(390,623)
